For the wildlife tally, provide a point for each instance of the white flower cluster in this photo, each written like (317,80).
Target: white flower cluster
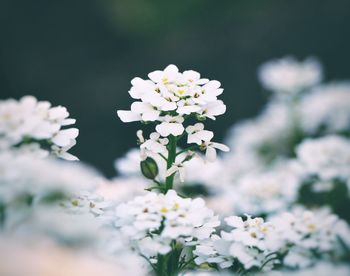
(43,258)
(168,98)
(267,191)
(327,157)
(320,269)
(289,76)
(244,244)
(36,123)
(38,177)
(309,236)
(296,239)
(57,203)
(263,138)
(326,109)
(153,221)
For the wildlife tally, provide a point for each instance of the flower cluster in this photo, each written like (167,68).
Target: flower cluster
(245,245)
(170,95)
(36,177)
(289,76)
(154,222)
(326,109)
(267,191)
(36,126)
(169,99)
(327,157)
(295,240)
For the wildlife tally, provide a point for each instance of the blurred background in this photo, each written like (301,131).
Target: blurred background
(83,54)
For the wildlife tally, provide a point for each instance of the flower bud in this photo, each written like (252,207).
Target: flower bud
(149,168)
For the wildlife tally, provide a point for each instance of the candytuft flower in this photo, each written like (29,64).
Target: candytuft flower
(168,100)
(29,121)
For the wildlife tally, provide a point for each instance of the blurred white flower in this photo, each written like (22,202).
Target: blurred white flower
(30,121)
(326,109)
(327,157)
(267,192)
(289,76)
(34,260)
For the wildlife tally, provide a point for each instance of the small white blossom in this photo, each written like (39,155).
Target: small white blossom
(197,134)
(155,143)
(177,167)
(210,147)
(170,126)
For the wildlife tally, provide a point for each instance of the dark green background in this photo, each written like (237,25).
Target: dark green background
(83,54)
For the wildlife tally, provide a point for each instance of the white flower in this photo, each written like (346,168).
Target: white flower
(175,93)
(65,137)
(155,144)
(210,154)
(170,74)
(63,152)
(168,217)
(264,139)
(197,134)
(309,235)
(244,243)
(193,77)
(30,121)
(326,109)
(265,192)
(208,92)
(170,126)
(301,238)
(289,76)
(213,109)
(327,157)
(177,167)
(139,111)
(187,106)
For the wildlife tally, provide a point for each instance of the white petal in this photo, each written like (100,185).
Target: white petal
(221,146)
(68,122)
(214,109)
(212,85)
(156,76)
(151,115)
(191,75)
(64,137)
(165,129)
(210,154)
(182,173)
(188,109)
(141,107)
(128,116)
(67,156)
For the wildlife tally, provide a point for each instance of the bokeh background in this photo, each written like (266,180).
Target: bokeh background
(83,54)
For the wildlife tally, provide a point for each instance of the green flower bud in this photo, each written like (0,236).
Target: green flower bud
(149,168)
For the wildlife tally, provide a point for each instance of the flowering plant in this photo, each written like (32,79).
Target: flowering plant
(170,99)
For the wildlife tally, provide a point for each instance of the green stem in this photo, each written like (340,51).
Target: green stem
(170,161)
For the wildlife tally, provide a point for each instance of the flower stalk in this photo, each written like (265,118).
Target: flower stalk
(169,181)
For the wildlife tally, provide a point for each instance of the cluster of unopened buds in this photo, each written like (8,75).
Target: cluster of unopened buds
(176,103)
